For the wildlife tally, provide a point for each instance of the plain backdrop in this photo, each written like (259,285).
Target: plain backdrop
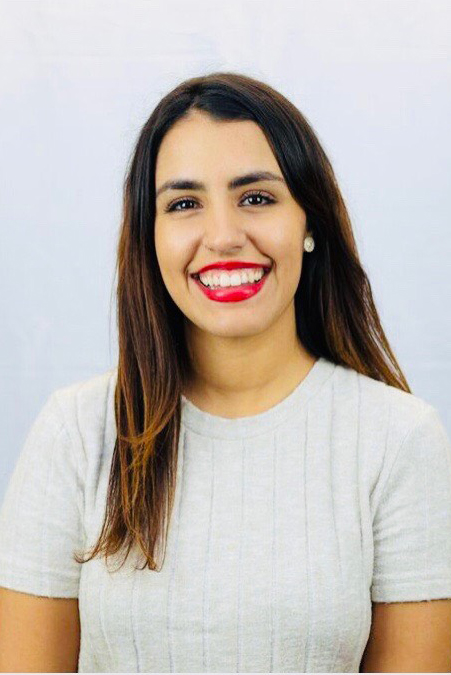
(79,78)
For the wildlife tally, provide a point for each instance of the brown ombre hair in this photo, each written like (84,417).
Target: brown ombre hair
(336,317)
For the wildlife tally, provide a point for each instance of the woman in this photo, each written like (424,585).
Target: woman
(258,425)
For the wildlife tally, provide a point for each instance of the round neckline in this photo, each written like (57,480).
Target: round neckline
(215,426)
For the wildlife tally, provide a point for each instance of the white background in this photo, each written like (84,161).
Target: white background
(78,80)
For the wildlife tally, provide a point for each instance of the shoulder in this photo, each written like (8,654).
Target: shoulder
(85,408)
(381,420)
(399,410)
(91,391)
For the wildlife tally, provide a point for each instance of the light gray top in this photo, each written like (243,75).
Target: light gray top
(286,526)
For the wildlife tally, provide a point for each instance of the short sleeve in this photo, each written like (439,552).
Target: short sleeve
(41,513)
(412,522)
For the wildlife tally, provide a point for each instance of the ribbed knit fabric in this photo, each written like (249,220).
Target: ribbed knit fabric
(286,526)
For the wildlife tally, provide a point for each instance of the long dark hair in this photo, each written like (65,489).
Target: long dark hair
(335,313)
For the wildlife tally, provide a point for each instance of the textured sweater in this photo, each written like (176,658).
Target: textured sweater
(286,526)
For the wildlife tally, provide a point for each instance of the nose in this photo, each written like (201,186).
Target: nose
(223,229)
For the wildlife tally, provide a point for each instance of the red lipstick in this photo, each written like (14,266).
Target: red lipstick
(232,293)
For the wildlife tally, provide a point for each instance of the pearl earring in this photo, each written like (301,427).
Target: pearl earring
(309,244)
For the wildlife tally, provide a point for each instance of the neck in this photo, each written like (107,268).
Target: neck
(250,374)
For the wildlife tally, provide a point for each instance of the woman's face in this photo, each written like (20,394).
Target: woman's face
(218,224)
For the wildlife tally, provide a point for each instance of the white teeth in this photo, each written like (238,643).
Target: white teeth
(237,278)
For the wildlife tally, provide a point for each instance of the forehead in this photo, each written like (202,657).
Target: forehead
(198,142)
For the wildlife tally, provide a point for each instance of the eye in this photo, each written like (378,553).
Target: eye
(250,195)
(172,206)
(269,200)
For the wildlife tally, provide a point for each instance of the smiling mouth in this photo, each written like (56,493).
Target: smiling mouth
(266,271)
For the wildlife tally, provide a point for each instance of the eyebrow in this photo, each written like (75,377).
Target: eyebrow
(238,181)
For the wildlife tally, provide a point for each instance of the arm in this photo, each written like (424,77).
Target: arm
(38,634)
(409,637)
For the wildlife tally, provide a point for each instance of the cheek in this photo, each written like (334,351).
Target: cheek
(172,251)
(289,262)
(288,253)
(285,241)
(164,243)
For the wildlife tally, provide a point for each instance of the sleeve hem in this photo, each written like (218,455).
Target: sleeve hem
(414,590)
(35,585)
